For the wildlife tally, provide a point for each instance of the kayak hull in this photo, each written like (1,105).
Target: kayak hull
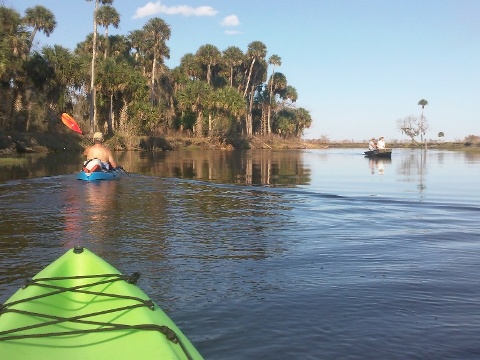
(81,307)
(100,175)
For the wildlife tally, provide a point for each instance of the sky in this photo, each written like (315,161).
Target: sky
(358,65)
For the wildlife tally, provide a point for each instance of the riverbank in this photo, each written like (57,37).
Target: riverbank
(14,143)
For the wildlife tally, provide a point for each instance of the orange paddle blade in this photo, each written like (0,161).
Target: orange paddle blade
(71,123)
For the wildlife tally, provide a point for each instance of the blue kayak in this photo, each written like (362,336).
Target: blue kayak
(114,174)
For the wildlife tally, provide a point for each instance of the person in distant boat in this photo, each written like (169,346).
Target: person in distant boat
(372,145)
(381,143)
(98,155)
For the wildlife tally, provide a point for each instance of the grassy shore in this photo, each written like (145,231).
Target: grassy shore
(13,143)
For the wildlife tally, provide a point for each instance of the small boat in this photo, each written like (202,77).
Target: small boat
(379,153)
(113,174)
(81,307)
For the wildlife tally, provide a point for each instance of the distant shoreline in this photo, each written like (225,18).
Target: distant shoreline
(453,145)
(15,143)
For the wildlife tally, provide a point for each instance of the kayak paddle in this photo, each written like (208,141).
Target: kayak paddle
(125,171)
(72,124)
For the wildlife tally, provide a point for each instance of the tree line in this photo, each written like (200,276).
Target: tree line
(121,84)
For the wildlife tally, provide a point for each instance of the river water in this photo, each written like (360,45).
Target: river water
(308,254)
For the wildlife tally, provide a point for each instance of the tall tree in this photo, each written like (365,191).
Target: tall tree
(38,74)
(13,49)
(256,53)
(208,56)
(93,94)
(136,38)
(156,32)
(194,98)
(274,60)
(423,125)
(112,78)
(119,46)
(423,103)
(10,27)
(225,106)
(66,75)
(107,15)
(190,66)
(41,19)
(277,85)
(233,57)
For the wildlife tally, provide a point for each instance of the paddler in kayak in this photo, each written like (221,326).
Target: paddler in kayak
(98,155)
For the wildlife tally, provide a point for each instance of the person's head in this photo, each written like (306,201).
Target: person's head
(98,138)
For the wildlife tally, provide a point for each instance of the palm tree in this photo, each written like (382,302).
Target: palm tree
(13,47)
(65,74)
(38,76)
(93,109)
(284,122)
(256,54)
(290,95)
(226,105)
(190,67)
(232,58)
(274,60)
(233,102)
(119,46)
(106,16)
(111,79)
(194,98)
(208,55)
(423,103)
(156,32)
(9,28)
(41,19)
(278,86)
(134,96)
(136,38)
(303,120)
(256,51)
(423,126)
